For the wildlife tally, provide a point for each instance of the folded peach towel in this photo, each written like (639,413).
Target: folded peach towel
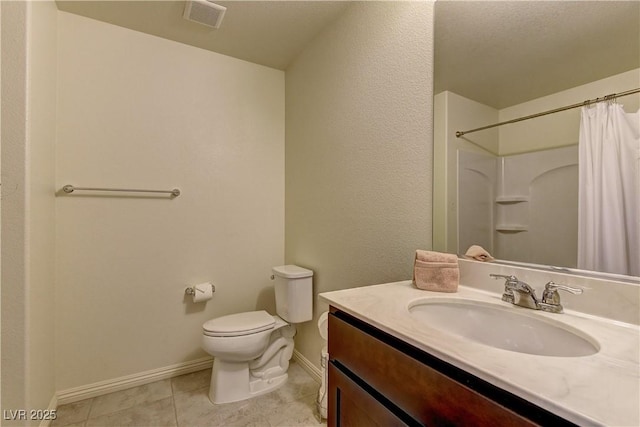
(436,271)
(478,253)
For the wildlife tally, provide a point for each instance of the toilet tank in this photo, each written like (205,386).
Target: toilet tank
(294,293)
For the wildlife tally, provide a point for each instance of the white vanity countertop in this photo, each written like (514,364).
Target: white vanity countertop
(601,389)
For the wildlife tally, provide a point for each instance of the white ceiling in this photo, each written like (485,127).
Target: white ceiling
(499,53)
(502,53)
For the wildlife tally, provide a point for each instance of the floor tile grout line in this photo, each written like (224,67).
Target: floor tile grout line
(93,400)
(175,408)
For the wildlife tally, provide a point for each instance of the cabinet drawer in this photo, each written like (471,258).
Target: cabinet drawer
(352,406)
(421,391)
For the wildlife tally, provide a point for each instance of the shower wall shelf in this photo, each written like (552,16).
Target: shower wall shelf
(511,199)
(513,228)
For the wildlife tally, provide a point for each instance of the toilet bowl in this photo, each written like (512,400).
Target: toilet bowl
(252,349)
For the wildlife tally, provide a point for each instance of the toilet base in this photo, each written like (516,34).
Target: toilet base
(232,382)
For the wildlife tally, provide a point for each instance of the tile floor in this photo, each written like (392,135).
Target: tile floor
(183,402)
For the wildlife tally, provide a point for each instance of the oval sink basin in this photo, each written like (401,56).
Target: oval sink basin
(500,327)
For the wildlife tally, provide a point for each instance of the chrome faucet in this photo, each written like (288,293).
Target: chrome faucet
(520,293)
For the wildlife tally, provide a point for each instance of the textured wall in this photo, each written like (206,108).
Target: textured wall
(28,205)
(453,113)
(359,150)
(138,111)
(14,134)
(41,122)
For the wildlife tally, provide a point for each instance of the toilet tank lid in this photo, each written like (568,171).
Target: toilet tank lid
(250,321)
(291,272)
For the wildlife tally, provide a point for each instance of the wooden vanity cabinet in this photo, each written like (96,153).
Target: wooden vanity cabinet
(376,379)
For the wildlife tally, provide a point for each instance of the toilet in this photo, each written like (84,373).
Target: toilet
(252,350)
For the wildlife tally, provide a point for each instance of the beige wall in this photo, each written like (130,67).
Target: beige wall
(42,61)
(359,150)
(0,216)
(138,111)
(455,113)
(14,163)
(28,205)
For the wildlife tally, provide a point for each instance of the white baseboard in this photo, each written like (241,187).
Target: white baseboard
(109,386)
(121,383)
(309,367)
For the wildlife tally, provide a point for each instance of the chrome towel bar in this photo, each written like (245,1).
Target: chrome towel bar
(70,189)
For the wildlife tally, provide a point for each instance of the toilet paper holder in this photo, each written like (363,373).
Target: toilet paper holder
(192,290)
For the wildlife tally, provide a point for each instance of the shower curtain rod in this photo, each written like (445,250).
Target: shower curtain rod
(557,110)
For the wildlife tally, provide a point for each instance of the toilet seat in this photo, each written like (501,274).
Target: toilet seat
(239,324)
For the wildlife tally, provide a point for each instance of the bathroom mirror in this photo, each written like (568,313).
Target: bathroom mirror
(513,188)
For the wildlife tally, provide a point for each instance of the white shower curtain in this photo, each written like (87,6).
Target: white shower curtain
(609,190)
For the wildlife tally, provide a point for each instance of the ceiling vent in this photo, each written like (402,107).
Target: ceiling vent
(204,12)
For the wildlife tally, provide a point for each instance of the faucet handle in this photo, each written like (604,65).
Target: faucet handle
(508,295)
(550,295)
(553,286)
(502,276)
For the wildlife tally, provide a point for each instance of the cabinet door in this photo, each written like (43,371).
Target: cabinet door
(423,392)
(352,406)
